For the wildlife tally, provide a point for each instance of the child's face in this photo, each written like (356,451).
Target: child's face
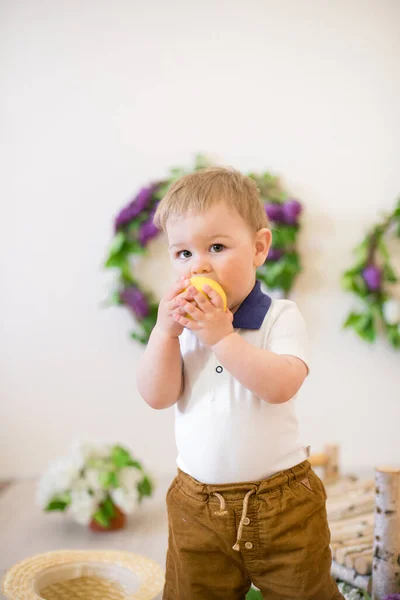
(218,244)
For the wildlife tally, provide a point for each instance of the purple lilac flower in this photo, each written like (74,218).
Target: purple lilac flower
(291,211)
(136,301)
(392,597)
(147,231)
(372,277)
(274,212)
(274,254)
(136,206)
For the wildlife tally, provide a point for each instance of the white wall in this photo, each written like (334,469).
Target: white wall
(102,97)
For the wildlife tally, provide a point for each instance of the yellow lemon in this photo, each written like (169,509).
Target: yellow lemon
(198,281)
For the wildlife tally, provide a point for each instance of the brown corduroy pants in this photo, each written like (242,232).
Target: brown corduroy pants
(272,533)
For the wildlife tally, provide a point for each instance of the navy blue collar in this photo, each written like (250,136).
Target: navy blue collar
(252,311)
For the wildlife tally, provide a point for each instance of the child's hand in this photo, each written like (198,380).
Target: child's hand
(208,319)
(169,305)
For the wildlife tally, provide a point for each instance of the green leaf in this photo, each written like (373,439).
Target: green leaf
(352,320)
(114,299)
(105,478)
(114,261)
(117,243)
(284,236)
(383,248)
(59,502)
(363,325)
(347,281)
(114,479)
(275,269)
(162,190)
(361,253)
(293,259)
(365,328)
(133,247)
(201,162)
(143,339)
(393,334)
(126,272)
(118,256)
(354,282)
(101,517)
(121,457)
(133,227)
(148,323)
(108,508)
(145,486)
(389,274)
(136,464)
(359,286)
(253,594)
(56,505)
(177,172)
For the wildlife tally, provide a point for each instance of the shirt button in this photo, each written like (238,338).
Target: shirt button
(219,369)
(248,545)
(246,521)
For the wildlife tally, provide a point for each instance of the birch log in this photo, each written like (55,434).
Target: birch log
(362,582)
(386,550)
(328,460)
(361,563)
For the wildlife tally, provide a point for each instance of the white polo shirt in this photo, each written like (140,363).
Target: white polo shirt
(225,433)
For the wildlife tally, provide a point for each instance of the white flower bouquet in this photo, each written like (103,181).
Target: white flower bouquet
(96,485)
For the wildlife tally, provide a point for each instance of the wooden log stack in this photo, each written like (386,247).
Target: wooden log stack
(350,509)
(364,519)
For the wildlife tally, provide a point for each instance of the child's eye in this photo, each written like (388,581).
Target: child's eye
(184,254)
(217,247)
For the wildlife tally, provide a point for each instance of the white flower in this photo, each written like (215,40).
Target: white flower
(128,478)
(58,479)
(391,311)
(124,500)
(82,506)
(92,478)
(80,480)
(83,451)
(45,491)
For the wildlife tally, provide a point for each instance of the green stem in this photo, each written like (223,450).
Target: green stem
(378,231)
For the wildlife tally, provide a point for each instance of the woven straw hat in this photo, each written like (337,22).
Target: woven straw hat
(84,575)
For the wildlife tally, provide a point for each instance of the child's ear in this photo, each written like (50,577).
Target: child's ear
(262,245)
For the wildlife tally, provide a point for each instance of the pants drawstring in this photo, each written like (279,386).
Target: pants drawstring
(244,513)
(222,511)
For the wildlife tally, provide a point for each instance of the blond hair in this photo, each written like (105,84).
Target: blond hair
(200,190)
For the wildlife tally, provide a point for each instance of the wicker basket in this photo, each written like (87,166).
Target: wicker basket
(84,575)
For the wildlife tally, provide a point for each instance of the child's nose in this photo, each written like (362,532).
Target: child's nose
(201,266)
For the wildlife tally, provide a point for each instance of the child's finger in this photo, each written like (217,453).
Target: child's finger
(215,298)
(179,286)
(177,300)
(203,302)
(191,309)
(188,323)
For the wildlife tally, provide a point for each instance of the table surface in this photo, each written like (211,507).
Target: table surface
(25,530)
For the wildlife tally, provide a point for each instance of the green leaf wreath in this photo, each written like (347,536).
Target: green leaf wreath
(372,279)
(134,229)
